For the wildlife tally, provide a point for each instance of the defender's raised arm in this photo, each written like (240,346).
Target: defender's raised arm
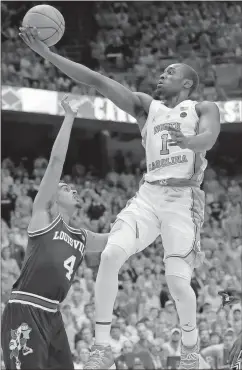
(49,183)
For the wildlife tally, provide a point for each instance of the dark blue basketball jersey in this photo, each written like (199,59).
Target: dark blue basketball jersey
(52,257)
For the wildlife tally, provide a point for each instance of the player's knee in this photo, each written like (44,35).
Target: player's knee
(121,242)
(179,267)
(178,276)
(113,255)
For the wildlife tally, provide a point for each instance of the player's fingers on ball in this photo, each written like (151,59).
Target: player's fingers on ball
(29,33)
(27,36)
(23,37)
(35,32)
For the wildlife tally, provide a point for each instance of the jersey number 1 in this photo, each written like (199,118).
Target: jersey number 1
(164,144)
(69,266)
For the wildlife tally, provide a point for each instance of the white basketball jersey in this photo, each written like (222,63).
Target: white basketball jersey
(171,162)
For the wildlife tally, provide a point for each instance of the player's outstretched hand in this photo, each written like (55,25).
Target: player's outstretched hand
(30,36)
(177,138)
(70,107)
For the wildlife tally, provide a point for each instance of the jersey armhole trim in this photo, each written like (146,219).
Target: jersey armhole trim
(150,115)
(195,110)
(45,229)
(74,230)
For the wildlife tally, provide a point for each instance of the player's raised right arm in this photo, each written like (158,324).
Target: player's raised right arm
(125,99)
(49,183)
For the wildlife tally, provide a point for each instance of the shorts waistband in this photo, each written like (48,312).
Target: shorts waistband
(175,183)
(34,300)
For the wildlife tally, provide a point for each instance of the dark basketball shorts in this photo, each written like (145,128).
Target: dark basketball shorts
(33,337)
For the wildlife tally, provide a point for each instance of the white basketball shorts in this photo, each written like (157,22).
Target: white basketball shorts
(175,213)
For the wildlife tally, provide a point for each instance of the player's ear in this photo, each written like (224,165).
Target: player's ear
(188,83)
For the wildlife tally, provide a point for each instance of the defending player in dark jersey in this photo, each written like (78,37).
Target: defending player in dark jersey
(33,334)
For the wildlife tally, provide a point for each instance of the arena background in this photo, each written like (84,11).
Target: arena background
(130,42)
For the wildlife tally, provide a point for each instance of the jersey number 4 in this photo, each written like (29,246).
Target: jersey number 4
(164,149)
(69,266)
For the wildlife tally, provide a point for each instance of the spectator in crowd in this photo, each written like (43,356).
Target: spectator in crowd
(9,271)
(170,314)
(173,347)
(145,340)
(87,336)
(70,324)
(129,355)
(210,295)
(117,340)
(81,357)
(217,355)
(77,303)
(7,205)
(152,301)
(24,203)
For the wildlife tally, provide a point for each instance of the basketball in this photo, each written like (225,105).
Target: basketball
(48,21)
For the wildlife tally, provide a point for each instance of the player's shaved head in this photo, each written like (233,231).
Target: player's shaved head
(192,75)
(177,78)
(188,73)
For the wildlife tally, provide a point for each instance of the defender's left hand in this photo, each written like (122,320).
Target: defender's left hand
(177,138)
(70,107)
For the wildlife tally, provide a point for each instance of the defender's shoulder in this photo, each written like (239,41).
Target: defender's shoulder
(42,222)
(79,232)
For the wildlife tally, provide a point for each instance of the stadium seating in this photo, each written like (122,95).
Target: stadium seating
(133,43)
(151,310)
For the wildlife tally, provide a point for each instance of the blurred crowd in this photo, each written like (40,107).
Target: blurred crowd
(134,41)
(145,332)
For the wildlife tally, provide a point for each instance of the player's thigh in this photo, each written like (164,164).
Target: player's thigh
(24,338)
(60,356)
(181,224)
(135,228)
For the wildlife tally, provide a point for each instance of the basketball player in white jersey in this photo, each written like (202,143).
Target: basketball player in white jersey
(176,135)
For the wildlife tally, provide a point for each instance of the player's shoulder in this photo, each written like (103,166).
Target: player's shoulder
(43,221)
(145,100)
(78,231)
(206,106)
